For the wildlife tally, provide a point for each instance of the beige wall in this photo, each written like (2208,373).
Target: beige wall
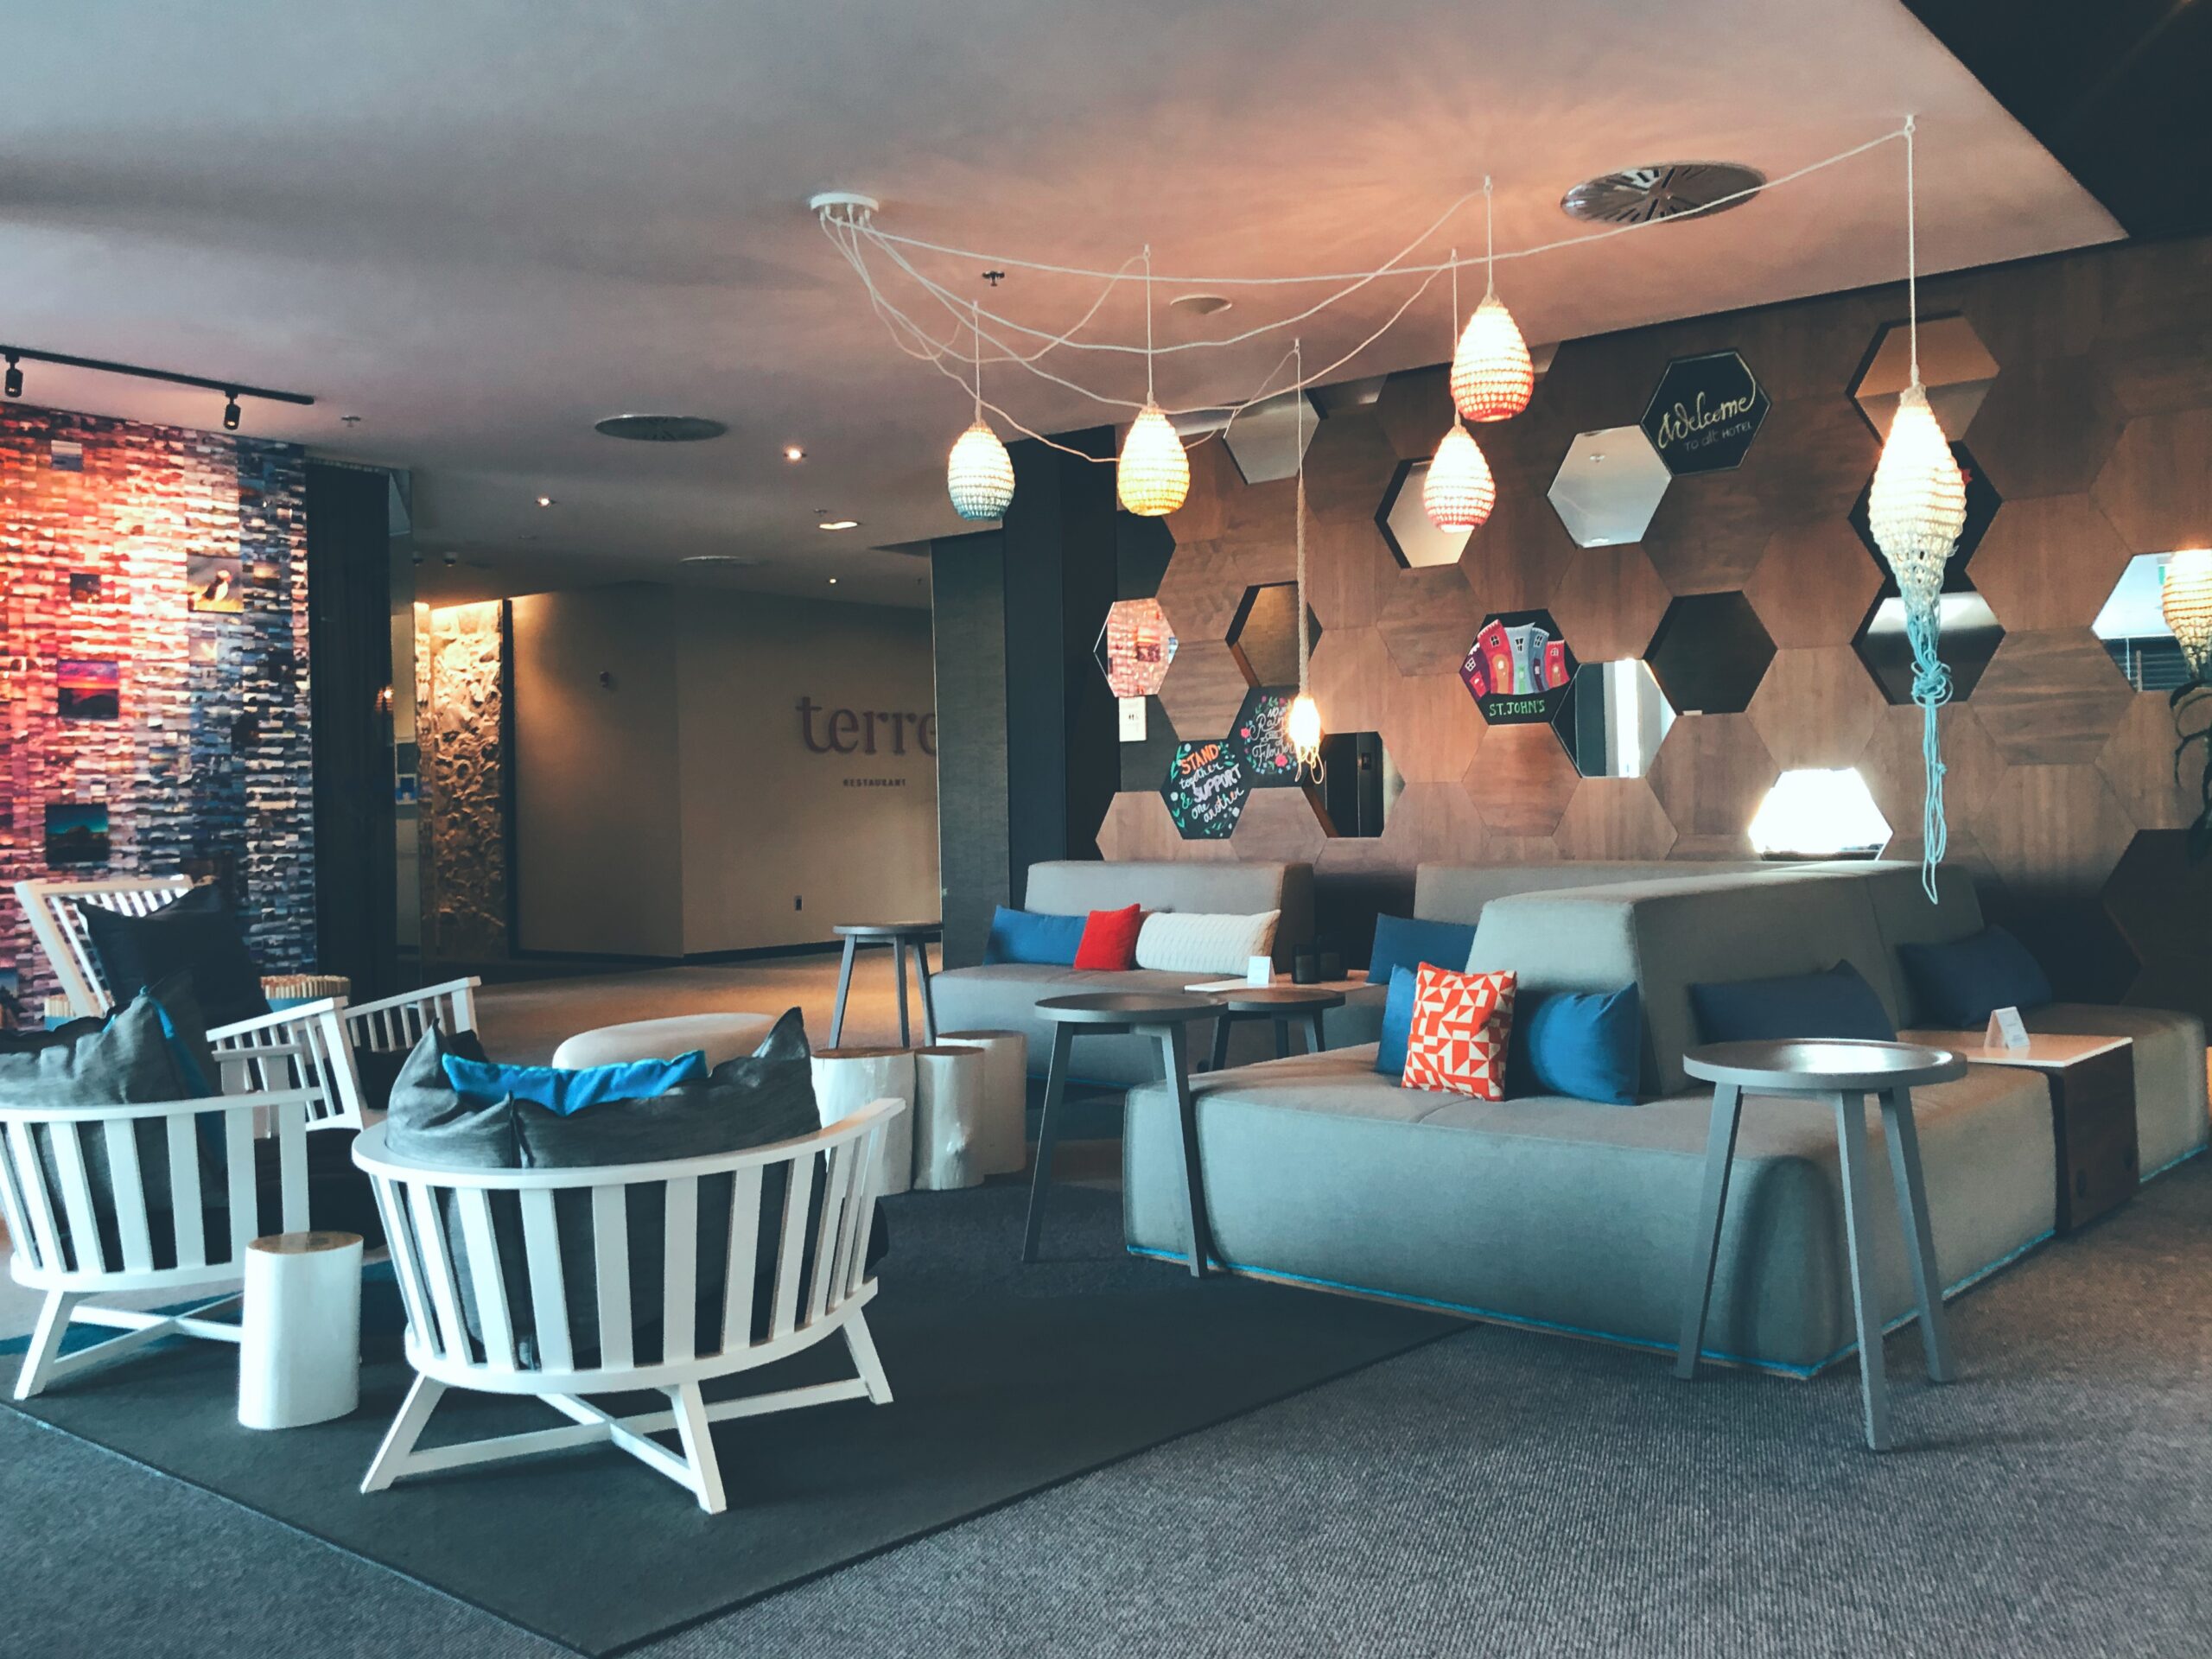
(767,820)
(682,811)
(597,827)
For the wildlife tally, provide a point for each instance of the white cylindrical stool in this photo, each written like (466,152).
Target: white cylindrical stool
(949,1082)
(1000,1137)
(846,1079)
(300,1330)
(722,1036)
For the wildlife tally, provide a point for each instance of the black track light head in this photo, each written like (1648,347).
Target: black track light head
(231,412)
(14,384)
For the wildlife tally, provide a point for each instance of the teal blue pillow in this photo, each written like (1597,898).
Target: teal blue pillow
(1397,1020)
(567,1092)
(1586,1045)
(1033,936)
(1401,942)
(1838,1004)
(1962,983)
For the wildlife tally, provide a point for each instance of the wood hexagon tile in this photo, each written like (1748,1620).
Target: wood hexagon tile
(1414,410)
(1137,826)
(2156,489)
(1204,515)
(1609,603)
(1435,823)
(1430,726)
(1203,688)
(1817,706)
(1710,775)
(1709,532)
(1515,561)
(2052,829)
(2050,698)
(2138,762)
(1897,775)
(1280,824)
(1352,680)
(1520,781)
(1615,819)
(2050,561)
(2045,427)
(1815,583)
(1428,619)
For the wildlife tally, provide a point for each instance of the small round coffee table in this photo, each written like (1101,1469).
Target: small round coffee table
(1165,1017)
(902,937)
(1843,1073)
(1280,1003)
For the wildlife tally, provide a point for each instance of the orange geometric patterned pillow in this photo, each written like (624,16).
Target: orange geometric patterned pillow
(1461,1022)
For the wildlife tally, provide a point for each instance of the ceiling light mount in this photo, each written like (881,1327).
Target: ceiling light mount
(660,428)
(847,204)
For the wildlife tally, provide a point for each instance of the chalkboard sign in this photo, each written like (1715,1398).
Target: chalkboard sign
(1519,668)
(1207,788)
(1706,412)
(1259,729)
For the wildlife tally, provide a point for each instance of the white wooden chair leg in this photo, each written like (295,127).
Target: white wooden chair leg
(406,1430)
(699,1448)
(862,1345)
(46,1342)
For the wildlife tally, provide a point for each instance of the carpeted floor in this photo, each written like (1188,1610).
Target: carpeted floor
(1495,1492)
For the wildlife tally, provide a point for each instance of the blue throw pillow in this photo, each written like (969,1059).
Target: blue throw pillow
(1961,984)
(1033,936)
(1585,1045)
(1397,1021)
(1401,942)
(1838,1003)
(566,1092)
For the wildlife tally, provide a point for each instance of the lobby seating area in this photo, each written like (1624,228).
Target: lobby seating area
(1248,832)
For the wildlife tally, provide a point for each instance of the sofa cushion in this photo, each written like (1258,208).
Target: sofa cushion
(564,1091)
(1199,942)
(1232,887)
(1401,942)
(1461,1026)
(1110,939)
(1033,936)
(1959,984)
(1582,1044)
(195,933)
(1837,1003)
(1397,1022)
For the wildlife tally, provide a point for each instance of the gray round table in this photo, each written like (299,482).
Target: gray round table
(1165,1017)
(1843,1073)
(1280,1003)
(902,937)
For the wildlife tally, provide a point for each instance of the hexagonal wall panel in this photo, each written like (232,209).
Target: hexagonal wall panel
(2052,829)
(1266,440)
(1703,413)
(1520,781)
(1518,669)
(1614,718)
(1414,542)
(2138,762)
(2050,698)
(1710,774)
(1262,635)
(1814,708)
(1134,647)
(1896,772)
(2048,562)
(1967,636)
(2156,489)
(2132,625)
(1426,618)
(1812,585)
(2047,426)
(1608,602)
(1955,365)
(1615,819)
(1608,485)
(1709,654)
(1206,789)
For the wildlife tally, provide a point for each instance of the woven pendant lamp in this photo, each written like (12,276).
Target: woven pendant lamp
(2185,600)
(979,474)
(1459,491)
(1492,375)
(1154,474)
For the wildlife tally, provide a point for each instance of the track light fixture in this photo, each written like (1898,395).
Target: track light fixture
(231,412)
(15,382)
(231,391)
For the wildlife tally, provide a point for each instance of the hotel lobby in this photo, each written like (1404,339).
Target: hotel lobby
(1256,831)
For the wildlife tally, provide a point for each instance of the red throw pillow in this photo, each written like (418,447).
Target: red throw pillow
(1460,1025)
(1110,940)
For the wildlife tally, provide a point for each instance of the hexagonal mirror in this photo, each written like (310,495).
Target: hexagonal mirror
(1263,634)
(1414,542)
(1519,668)
(1359,784)
(1705,412)
(1206,789)
(1954,366)
(1608,485)
(1819,813)
(1613,718)
(2133,622)
(1709,653)
(1266,440)
(1968,635)
(1134,647)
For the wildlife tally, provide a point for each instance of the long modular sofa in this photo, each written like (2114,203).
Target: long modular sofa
(1567,1214)
(1003,996)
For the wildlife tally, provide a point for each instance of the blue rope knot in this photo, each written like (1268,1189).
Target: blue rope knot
(1931,689)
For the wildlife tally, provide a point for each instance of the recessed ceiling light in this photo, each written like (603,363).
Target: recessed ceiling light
(792,452)
(839,523)
(545,500)
(833,581)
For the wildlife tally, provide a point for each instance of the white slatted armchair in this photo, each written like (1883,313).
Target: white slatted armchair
(51,907)
(107,1200)
(522,1282)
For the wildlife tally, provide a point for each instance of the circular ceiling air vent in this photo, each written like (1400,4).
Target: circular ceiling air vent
(1665,190)
(660,428)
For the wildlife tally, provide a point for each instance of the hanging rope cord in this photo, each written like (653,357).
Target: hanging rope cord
(1923,598)
(855,233)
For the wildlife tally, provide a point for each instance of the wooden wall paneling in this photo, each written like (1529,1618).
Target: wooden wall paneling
(1202,688)
(1435,823)
(1896,772)
(2050,561)
(2153,895)
(1615,819)
(1353,679)
(1817,706)
(2052,829)
(1815,582)
(1137,827)
(1517,561)
(1281,824)
(1710,530)
(1608,602)
(2045,427)
(1215,481)
(2138,762)
(2157,489)
(2156,373)
(1429,619)
(1812,456)
(1414,411)
(1710,775)
(1520,780)
(1431,728)
(2051,697)
(1596,384)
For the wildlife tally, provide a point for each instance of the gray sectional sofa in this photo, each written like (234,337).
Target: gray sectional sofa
(1004,996)
(1569,1215)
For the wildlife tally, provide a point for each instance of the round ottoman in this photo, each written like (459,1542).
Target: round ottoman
(724,1037)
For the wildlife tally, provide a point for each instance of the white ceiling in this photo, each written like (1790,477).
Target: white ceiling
(479,226)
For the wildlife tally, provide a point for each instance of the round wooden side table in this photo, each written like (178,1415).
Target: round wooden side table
(903,937)
(1843,1073)
(1280,1003)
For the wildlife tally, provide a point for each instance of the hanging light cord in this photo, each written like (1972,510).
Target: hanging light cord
(978,327)
(1298,359)
(1911,253)
(1490,254)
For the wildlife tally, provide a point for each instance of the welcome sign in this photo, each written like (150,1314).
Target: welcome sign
(1705,413)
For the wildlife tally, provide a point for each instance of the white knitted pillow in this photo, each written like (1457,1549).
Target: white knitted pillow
(1193,942)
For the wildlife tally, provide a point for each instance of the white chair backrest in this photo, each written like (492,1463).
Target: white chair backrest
(501,1211)
(294,1048)
(392,1025)
(52,907)
(93,1194)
